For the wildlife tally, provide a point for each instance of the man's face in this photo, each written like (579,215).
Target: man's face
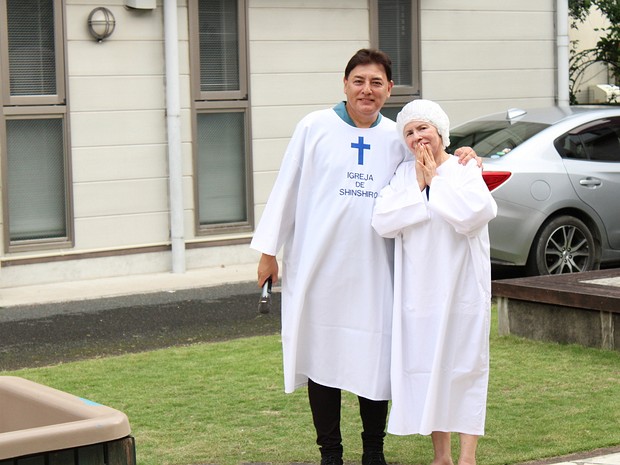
(367,88)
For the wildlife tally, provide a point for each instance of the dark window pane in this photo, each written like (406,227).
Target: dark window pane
(395,38)
(219,45)
(391,111)
(221,168)
(32,57)
(602,143)
(570,146)
(36,178)
(597,141)
(492,138)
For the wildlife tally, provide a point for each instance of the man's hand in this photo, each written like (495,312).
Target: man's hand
(267,268)
(467,153)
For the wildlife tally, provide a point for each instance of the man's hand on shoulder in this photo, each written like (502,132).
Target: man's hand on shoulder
(467,153)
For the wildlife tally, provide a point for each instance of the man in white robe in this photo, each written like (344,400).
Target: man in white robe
(337,272)
(440,331)
(337,284)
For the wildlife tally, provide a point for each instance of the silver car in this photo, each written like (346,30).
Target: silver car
(555,175)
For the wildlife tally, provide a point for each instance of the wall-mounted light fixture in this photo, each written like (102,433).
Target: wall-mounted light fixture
(101,23)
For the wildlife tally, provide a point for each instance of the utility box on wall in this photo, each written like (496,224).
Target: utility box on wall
(140,4)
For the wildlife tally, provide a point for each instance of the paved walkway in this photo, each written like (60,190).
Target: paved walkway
(12,299)
(612,458)
(125,285)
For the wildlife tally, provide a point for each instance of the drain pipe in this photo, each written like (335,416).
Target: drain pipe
(561,29)
(173,123)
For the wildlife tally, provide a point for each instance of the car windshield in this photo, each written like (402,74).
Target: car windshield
(493,138)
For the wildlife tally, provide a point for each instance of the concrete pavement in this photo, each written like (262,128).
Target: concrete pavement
(125,285)
(609,456)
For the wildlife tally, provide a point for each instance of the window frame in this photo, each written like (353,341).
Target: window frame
(36,107)
(401,94)
(194,50)
(221,102)
(230,227)
(32,113)
(52,99)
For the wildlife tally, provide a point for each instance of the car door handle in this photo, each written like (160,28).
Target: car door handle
(590,182)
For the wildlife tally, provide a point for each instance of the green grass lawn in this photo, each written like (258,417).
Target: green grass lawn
(223,403)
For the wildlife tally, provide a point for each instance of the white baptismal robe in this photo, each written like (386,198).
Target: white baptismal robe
(442,287)
(337,289)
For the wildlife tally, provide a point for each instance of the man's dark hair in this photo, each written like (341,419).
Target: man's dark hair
(367,56)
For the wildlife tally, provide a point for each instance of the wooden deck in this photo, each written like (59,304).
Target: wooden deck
(582,308)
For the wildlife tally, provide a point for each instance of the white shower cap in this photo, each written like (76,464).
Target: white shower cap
(428,111)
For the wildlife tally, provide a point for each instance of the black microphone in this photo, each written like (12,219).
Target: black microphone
(264,304)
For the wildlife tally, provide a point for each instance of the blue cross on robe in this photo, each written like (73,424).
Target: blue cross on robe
(360,146)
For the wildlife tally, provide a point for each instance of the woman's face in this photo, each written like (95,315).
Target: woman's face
(423,132)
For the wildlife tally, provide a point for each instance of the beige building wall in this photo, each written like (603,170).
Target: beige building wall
(484,56)
(118,128)
(118,140)
(476,56)
(298,51)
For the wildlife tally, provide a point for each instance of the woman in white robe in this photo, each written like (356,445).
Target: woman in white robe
(438,211)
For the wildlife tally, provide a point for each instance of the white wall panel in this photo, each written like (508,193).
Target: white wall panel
(258,211)
(136,58)
(302,56)
(327,4)
(472,85)
(308,24)
(122,231)
(263,183)
(268,153)
(486,25)
(92,164)
(107,93)
(92,129)
(493,5)
(279,122)
(188,197)
(450,55)
(120,197)
(297,89)
(118,128)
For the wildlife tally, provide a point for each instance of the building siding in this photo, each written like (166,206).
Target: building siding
(476,57)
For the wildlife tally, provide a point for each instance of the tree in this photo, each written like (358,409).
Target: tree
(607,49)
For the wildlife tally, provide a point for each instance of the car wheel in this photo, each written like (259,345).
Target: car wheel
(563,245)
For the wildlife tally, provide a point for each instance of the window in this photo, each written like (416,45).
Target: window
(394,29)
(34,128)
(596,141)
(221,116)
(221,166)
(493,139)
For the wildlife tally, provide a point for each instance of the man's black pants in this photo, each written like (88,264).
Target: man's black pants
(325,405)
